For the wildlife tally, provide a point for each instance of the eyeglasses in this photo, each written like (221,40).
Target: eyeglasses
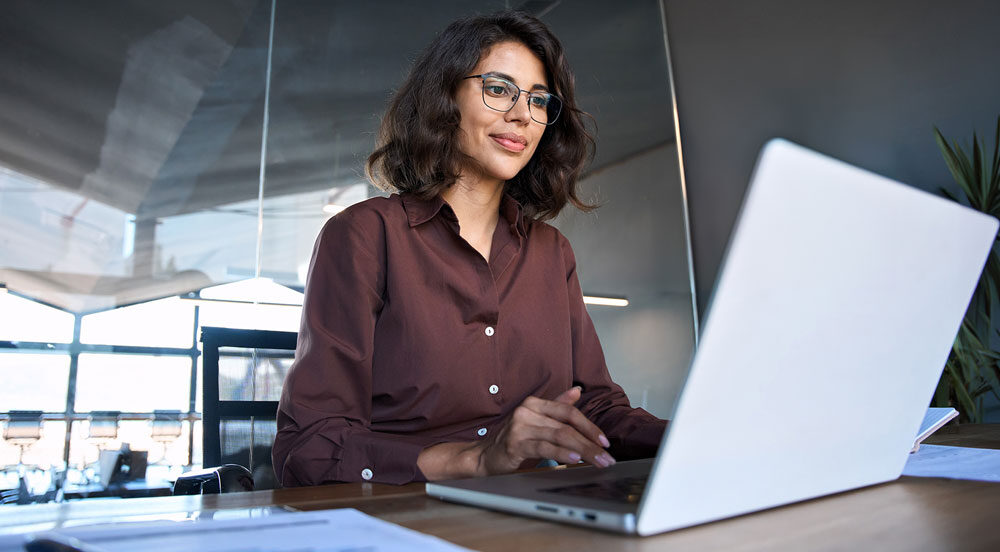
(501,95)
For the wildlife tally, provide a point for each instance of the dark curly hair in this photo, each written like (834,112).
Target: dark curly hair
(417,149)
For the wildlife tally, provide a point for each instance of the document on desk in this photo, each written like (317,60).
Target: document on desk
(954,463)
(934,419)
(340,530)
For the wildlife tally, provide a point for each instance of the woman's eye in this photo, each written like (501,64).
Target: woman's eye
(496,90)
(540,101)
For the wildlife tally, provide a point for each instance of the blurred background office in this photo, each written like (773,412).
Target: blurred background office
(166,166)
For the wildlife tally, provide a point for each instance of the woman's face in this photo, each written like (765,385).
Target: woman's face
(498,145)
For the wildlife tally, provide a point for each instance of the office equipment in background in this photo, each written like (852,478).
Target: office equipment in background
(118,466)
(829,326)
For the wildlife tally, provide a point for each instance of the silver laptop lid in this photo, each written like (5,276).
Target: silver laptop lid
(831,321)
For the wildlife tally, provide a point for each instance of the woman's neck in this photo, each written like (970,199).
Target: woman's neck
(476,203)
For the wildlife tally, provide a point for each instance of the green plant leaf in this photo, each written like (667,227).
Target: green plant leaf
(973,368)
(964,399)
(995,372)
(942,395)
(949,195)
(978,174)
(954,164)
(992,380)
(968,182)
(995,179)
(991,174)
(991,277)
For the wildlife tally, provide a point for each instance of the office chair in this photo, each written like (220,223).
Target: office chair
(103,426)
(165,428)
(102,431)
(243,371)
(23,429)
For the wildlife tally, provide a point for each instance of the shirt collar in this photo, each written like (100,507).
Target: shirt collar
(510,210)
(419,211)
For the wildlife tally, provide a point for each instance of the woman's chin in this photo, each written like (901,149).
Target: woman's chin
(497,172)
(508,173)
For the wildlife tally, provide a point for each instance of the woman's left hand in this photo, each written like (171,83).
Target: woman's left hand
(540,428)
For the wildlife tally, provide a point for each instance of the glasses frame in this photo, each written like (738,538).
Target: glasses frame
(517,97)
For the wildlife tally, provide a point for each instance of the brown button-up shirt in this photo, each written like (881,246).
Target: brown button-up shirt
(411,338)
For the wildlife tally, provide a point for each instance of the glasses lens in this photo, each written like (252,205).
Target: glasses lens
(498,93)
(544,107)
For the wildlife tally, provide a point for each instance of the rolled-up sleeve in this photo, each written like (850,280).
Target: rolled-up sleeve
(633,432)
(324,417)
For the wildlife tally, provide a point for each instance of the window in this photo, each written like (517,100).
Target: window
(27,320)
(163,323)
(133,383)
(34,381)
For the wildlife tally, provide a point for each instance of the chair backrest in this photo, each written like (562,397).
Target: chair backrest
(166,425)
(23,426)
(243,371)
(103,425)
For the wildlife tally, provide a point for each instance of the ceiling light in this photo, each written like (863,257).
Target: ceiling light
(605,301)
(204,301)
(251,291)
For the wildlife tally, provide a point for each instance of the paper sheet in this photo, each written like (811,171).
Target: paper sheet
(954,463)
(933,420)
(339,530)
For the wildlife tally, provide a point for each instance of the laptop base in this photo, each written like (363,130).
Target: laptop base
(543,494)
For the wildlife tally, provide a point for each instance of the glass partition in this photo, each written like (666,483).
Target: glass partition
(134,207)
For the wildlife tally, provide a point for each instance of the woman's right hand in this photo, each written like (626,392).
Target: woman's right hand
(540,428)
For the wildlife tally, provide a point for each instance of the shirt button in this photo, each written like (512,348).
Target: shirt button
(366,474)
(494,390)
(481,431)
(489,331)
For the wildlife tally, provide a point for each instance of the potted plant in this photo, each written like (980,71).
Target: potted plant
(973,368)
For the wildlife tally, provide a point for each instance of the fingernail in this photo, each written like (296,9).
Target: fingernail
(604,441)
(574,457)
(601,460)
(611,461)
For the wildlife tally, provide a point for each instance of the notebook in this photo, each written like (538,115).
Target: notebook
(934,419)
(829,325)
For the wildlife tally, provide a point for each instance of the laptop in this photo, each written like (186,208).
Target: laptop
(830,323)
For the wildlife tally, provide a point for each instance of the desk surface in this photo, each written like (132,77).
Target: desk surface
(908,514)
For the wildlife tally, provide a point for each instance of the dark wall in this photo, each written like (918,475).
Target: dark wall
(859,80)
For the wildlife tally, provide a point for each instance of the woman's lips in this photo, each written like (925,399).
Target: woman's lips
(511,142)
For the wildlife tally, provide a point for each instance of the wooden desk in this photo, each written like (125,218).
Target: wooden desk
(908,514)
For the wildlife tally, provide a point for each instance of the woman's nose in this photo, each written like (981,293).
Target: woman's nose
(520,111)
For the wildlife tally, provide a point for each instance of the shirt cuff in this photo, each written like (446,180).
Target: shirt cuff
(382,457)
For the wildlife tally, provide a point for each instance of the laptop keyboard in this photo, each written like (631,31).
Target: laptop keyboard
(627,489)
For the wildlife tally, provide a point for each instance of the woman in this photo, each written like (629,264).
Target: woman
(444,333)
